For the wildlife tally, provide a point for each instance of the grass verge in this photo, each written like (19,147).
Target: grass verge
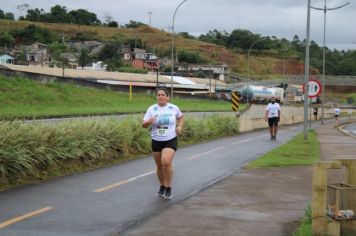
(296,152)
(305,228)
(22,98)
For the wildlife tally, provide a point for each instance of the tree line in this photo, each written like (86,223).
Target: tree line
(240,40)
(60,14)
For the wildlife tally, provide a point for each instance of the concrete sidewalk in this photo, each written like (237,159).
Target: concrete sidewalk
(250,202)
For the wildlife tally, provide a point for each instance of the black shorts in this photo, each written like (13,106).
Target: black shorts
(273,121)
(336,116)
(158,146)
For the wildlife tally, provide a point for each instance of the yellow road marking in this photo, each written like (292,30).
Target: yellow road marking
(99,190)
(23,217)
(204,153)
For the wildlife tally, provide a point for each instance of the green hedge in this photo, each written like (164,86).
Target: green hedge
(37,150)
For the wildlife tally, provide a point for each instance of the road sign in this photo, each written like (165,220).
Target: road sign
(235,99)
(314,88)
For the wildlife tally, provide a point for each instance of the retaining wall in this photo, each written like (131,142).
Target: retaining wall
(253,118)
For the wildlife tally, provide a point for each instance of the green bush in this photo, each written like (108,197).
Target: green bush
(128,69)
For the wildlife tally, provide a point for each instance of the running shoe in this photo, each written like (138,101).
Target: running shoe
(161,191)
(168,193)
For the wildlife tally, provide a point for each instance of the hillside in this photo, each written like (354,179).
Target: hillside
(159,41)
(23,98)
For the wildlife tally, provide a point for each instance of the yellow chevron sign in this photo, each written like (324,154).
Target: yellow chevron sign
(235,99)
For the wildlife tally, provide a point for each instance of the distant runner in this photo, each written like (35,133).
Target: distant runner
(273,114)
(337,114)
(315,112)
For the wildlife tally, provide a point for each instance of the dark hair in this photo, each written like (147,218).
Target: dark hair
(164,90)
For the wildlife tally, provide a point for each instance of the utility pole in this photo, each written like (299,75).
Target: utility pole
(149,18)
(306,74)
(325,9)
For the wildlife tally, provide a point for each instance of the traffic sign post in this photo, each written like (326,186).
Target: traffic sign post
(314,88)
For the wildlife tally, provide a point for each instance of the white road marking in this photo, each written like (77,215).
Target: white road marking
(118,184)
(242,141)
(205,153)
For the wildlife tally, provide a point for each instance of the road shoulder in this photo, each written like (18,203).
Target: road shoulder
(250,202)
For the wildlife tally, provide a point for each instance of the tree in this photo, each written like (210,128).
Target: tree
(84,17)
(34,14)
(113,24)
(6,15)
(186,35)
(133,24)
(33,33)
(59,15)
(6,39)
(62,62)
(83,58)
(9,16)
(190,57)
(55,49)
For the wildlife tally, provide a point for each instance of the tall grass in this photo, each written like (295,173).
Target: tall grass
(38,150)
(26,149)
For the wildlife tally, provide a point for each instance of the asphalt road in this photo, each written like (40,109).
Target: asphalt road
(349,129)
(110,200)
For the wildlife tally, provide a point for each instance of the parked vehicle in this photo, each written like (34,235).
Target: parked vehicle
(261,94)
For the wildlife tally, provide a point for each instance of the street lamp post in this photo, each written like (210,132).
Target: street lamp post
(248,56)
(248,64)
(174,15)
(325,9)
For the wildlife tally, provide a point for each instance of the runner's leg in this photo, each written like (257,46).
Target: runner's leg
(167,158)
(158,159)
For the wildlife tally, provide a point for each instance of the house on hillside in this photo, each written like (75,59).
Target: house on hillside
(36,53)
(93,47)
(6,59)
(143,60)
(219,72)
(79,45)
(72,59)
(125,52)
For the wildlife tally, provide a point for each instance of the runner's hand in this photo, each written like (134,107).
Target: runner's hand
(179,130)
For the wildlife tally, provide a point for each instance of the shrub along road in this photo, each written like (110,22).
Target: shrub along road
(110,200)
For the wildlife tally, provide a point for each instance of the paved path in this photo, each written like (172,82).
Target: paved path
(250,202)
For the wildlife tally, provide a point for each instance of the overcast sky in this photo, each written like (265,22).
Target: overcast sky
(280,18)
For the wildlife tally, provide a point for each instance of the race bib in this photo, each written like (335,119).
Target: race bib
(162,130)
